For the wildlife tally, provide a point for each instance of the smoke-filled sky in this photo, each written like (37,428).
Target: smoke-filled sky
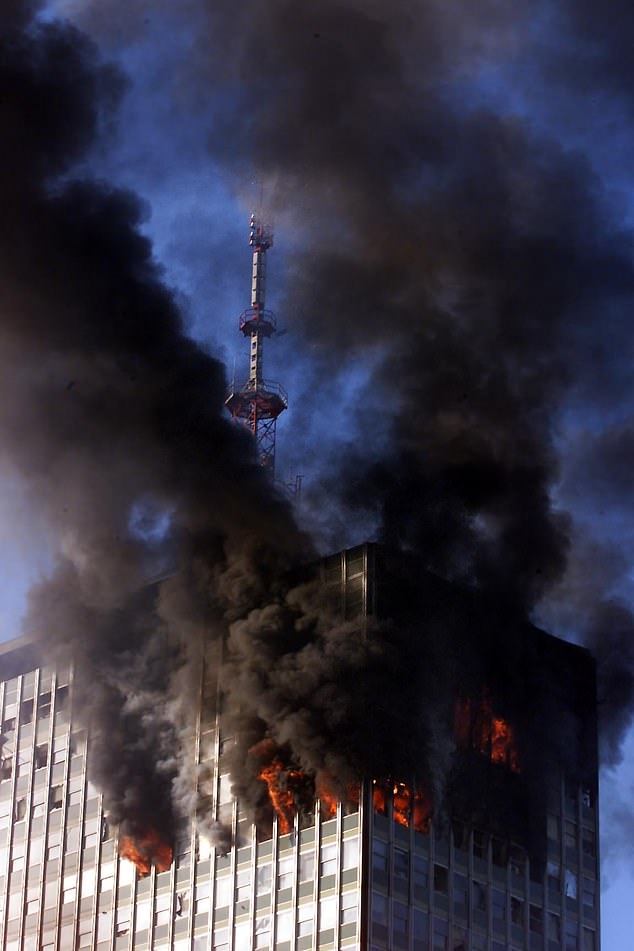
(449,185)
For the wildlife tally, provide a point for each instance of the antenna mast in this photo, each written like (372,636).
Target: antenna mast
(259,402)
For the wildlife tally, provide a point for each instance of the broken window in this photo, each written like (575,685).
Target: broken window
(517,859)
(480,844)
(401,865)
(587,799)
(571,884)
(554,927)
(479,891)
(517,911)
(263,875)
(499,851)
(26,712)
(8,725)
(41,756)
(441,879)
(553,873)
(588,842)
(61,699)
(56,797)
(6,768)
(44,705)
(535,919)
(19,811)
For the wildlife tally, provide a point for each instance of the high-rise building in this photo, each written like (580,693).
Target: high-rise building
(513,863)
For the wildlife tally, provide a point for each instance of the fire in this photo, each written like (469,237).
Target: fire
(379,798)
(401,798)
(326,793)
(146,849)
(407,806)
(280,781)
(478,728)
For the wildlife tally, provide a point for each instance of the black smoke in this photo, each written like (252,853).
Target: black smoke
(474,262)
(114,419)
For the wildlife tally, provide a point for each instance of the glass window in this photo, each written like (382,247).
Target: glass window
(553,827)
(263,879)
(348,907)
(570,834)
(379,857)
(553,874)
(421,873)
(223,891)
(285,869)
(570,936)
(459,889)
(328,860)
(498,905)
(588,842)
(327,913)
(351,852)
(284,926)
(589,940)
(517,911)
(440,933)
(379,909)
(554,927)
(306,866)
(587,894)
(400,919)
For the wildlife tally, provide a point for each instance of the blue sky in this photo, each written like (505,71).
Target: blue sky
(172,144)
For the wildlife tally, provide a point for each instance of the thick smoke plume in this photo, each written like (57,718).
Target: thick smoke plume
(115,420)
(470,260)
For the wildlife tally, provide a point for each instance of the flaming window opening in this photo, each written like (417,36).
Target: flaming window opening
(145,850)
(476,727)
(408,808)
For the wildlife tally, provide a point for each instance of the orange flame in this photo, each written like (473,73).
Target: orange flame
(480,729)
(401,797)
(379,798)
(146,849)
(280,781)
(327,794)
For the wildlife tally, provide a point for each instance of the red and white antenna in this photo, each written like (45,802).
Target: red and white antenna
(258,402)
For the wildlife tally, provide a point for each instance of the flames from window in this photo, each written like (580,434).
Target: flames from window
(410,805)
(477,727)
(291,790)
(146,849)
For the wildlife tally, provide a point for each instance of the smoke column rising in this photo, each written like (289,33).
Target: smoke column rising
(471,258)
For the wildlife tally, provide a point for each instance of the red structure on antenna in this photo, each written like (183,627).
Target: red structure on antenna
(259,402)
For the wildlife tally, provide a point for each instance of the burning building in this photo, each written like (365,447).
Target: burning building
(486,840)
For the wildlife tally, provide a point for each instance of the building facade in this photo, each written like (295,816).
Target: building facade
(369,878)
